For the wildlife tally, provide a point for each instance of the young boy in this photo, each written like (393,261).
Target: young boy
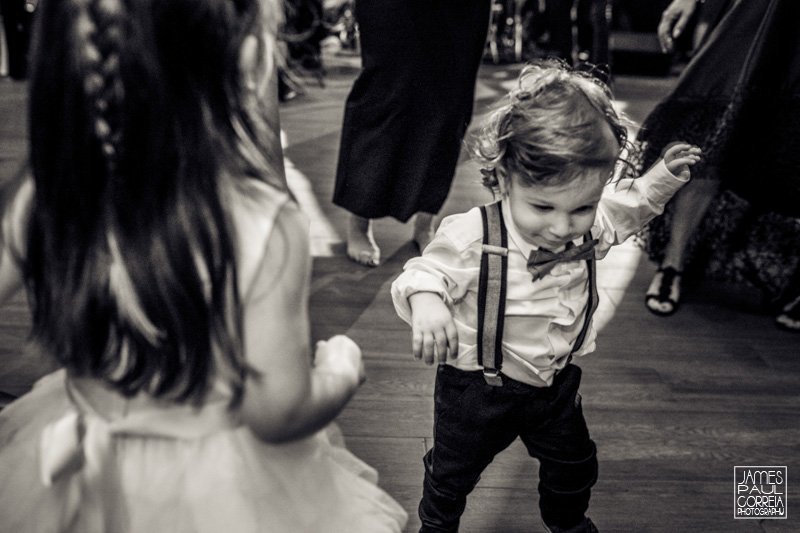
(551,150)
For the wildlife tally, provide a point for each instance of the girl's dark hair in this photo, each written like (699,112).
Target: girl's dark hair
(549,127)
(139,117)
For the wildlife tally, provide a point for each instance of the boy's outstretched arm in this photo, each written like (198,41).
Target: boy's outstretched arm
(433,328)
(631,202)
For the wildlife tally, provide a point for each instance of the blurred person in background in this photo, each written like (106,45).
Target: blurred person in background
(739,100)
(407,114)
(17,16)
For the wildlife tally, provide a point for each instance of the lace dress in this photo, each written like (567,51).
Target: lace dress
(739,100)
(76,456)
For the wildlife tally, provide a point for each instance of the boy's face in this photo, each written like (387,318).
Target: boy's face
(549,216)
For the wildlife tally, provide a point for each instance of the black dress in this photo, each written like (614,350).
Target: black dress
(739,100)
(409,109)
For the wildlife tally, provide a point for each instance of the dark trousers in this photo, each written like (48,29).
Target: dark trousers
(591,25)
(473,421)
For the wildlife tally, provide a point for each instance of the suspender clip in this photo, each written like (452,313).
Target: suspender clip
(496,250)
(492,377)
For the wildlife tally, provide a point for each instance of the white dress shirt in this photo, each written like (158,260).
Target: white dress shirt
(542,318)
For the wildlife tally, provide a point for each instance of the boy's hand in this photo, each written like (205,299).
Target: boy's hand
(433,328)
(679,157)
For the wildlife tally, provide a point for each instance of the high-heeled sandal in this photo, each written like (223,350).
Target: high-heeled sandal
(789,317)
(664,293)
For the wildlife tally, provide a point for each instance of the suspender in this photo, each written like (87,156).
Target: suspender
(492,294)
(594,299)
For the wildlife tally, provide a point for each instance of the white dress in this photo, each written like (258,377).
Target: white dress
(77,456)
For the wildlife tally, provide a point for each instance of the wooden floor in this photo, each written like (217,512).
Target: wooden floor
(672,403)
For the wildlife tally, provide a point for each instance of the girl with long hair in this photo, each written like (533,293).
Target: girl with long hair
(167,268)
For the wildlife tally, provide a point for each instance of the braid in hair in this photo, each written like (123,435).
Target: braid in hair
(98,34)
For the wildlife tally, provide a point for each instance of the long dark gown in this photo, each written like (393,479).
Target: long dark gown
(409,109)
(739,100)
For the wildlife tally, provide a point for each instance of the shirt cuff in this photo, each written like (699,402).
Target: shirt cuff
(659,183)
(411,282)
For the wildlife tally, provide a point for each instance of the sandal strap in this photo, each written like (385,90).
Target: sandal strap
(792,309)
(669,275)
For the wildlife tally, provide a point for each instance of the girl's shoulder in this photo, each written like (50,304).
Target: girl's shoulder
(257,209)
(254,207)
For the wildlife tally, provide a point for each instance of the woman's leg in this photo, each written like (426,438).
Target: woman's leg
(560,16)
(689,207)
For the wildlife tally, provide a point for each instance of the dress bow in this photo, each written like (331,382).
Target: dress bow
(542,261)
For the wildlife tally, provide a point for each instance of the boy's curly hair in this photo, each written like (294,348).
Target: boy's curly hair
(549,128)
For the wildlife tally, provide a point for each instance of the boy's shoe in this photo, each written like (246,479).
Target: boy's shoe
(586,526)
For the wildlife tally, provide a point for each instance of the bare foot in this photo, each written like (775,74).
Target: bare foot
(361,245)
(423,230)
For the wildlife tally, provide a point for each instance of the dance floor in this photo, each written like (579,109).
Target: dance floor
(674,404)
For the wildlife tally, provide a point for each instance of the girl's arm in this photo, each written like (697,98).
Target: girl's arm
(10,274)
(294,394)
(293,397)
(14,223)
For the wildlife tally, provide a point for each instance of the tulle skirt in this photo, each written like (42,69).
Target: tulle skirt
(65,469)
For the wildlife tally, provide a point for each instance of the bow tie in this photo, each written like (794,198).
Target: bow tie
(542,261)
